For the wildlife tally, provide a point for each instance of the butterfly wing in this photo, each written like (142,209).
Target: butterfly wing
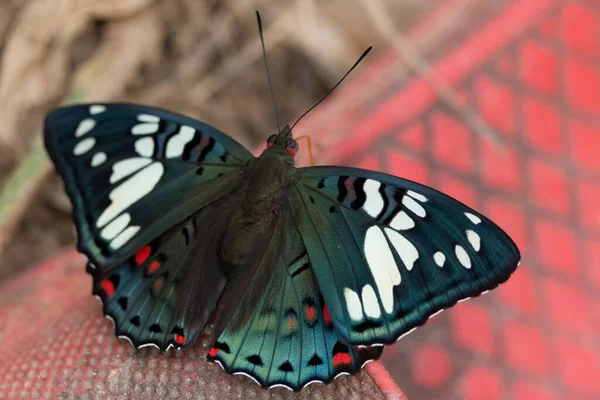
(143,294)
(132,172)
(388,253)
(289,339)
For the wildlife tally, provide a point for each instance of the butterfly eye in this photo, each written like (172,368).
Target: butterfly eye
(291,146)
(270,140)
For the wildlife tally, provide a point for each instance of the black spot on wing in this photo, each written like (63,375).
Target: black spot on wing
(286,367)
(314,361)
(339,347)
(255,360)
(123,303)
(359,191)
(222,346)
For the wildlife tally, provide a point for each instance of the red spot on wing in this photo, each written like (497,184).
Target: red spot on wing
(158,284)
(292,152)
(213,352)
(179,339)
(326,315)
(153,266)
(108,287)
(142,255)
(310,313)
(342,358)
(291,323)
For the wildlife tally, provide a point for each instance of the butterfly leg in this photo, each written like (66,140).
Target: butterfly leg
(310,153)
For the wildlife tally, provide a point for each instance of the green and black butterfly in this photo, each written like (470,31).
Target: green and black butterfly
(308,271)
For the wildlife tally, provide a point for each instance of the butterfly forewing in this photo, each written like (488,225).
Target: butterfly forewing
(132,172)
(388,253)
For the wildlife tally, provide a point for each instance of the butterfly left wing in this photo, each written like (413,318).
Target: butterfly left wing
(388,253)
(132,172)
(289,339)
(144,293)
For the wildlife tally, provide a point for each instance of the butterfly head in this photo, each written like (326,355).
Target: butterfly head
(284,140)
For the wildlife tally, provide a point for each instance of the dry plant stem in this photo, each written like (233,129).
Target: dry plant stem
(20,191)
(415,61)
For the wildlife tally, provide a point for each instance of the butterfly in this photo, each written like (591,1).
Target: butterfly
(307,272)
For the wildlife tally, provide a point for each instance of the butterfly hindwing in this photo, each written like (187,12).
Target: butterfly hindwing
(132,172)
(389,253)
(289,339)
(141,295)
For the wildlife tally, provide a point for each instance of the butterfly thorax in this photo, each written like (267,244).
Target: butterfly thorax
(267,179)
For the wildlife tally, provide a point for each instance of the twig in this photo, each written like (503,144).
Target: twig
(19,192)
(416,62)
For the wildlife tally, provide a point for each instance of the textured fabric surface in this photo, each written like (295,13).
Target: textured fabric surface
(56,344)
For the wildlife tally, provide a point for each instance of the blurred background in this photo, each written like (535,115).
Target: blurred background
(496,103)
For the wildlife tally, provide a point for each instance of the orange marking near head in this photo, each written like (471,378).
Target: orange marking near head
(153,266)
(342,358)
(326,314)
(310,313)
(108,287)
(179,339)
(310,151)
(142,255)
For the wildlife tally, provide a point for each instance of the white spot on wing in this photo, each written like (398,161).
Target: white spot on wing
(413,206)
(474,218)
(353,304)
(370,303)
(97,109)
(474,239)
(84,146)
(124,237)
(417,196)
(148,118)
(145,146)
(177,142)
(84,127)
(406,250)
(111,230)
(127,167)
(98,159)
(439,258)
(130,191)
(382,265)
(463,256)
(374,202)
(144,129)
(402,222)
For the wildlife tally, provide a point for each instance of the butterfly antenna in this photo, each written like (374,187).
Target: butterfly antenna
(336,85)
(262,42)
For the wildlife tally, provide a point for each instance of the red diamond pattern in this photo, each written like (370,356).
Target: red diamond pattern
(538,335)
